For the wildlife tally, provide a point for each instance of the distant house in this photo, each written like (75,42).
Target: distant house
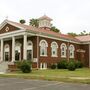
(41,45)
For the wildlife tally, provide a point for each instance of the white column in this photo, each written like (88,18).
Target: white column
(13,49)
(1,49)
(25,47)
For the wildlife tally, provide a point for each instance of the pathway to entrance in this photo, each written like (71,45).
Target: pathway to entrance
(26,84)
(3,67)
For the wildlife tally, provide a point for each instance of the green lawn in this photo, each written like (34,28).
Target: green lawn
(80,75)
(85,72)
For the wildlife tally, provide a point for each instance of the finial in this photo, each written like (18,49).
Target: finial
(44,14)
(6,17)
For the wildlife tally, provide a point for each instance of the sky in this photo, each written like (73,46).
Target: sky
(67,15)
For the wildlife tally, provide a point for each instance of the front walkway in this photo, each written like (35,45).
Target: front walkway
(3,67)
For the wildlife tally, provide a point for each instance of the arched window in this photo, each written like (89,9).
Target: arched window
(18,46)
(29,45)
(29,50)
(6,48)
(54,47)
(63,50)
(6,52)
(43,48)
(17,51)
(71,51)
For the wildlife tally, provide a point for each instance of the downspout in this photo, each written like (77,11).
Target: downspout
(68,52)
(89,55)
(37,52)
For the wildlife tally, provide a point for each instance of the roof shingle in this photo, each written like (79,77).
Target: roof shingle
(83,38)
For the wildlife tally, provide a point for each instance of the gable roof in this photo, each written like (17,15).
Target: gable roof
(11,23)
(42,31)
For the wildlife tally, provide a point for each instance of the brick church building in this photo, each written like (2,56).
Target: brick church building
(41,45)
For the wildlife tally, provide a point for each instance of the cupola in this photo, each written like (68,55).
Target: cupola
(45,22)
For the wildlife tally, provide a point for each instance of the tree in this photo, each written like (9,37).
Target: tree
(72,34)
(34,22)
(83,33)
(53,28)
(22,21)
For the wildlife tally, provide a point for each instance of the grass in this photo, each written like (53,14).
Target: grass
(85,72)
(63,75)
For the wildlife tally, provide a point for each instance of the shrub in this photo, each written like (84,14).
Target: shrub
(25,66)
(71,66)
(53,66)
(62,64)
(79,64)
(18,64)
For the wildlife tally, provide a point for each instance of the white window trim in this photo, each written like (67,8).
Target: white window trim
(43,55)
(18,48)
(52,55)
(30,47)
(65,53)
(41,47)
(71,51)
(6,50)
(44,51)
(43,66)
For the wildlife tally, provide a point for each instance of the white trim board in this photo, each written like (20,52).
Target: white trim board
(8,22)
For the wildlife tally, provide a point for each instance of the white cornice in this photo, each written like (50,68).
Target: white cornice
(88,42)
(15,25)
(3,24)
(8,22)
(11,34)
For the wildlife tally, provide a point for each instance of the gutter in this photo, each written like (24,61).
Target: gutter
(52,36)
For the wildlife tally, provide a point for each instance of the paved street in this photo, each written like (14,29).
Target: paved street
(25,84)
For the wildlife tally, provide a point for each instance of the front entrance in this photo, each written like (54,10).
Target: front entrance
(6,56)
(17,51)
(29,50)
(6,52)
(17,55)
(29,54)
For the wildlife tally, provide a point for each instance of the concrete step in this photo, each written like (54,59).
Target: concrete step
(3,67)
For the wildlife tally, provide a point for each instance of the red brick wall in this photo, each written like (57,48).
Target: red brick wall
(49,59)
(34,41)
(85,58)
(11,28)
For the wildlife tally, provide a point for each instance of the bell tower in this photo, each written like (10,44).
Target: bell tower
(45,22)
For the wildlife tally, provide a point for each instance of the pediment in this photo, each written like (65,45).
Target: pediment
(7,26)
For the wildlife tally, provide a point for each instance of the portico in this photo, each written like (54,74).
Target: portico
(20,49)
